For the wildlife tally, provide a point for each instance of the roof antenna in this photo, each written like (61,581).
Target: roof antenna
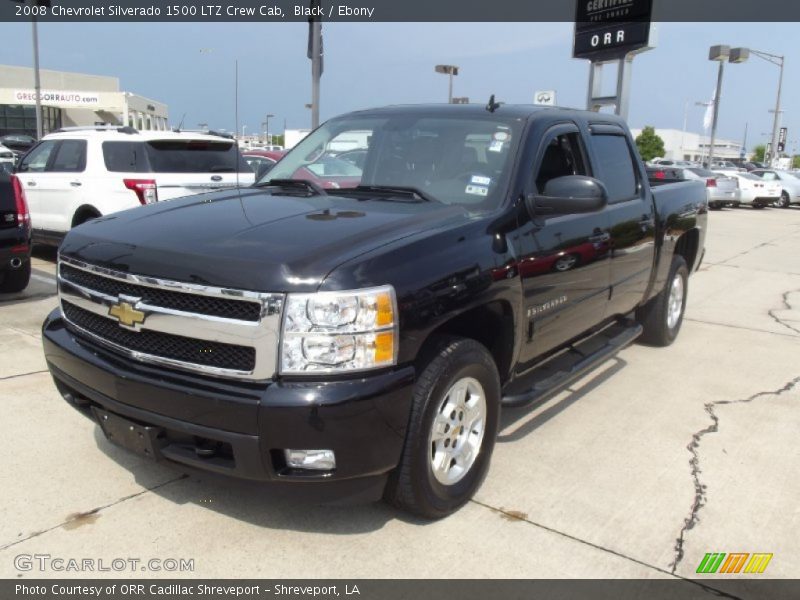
(492,105)
(236,119)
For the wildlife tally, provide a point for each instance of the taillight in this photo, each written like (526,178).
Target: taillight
(660,175)
(23,215)
(145,189)
(711,182)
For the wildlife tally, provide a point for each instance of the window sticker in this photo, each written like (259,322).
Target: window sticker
(477,190)
(481,180)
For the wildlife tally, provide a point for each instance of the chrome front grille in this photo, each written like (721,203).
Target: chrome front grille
(214,331)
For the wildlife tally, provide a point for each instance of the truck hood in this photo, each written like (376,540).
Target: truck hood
(250,239)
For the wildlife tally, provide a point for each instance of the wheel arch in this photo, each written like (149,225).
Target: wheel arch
(491,324)
(84,212)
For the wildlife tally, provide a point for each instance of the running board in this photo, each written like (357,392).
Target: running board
(560,371)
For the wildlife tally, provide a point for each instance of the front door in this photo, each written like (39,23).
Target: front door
(561,258)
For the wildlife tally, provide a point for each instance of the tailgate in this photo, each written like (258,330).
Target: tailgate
(186,166)
(175,185)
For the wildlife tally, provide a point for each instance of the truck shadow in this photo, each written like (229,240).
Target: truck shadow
(511,416)
(266,505)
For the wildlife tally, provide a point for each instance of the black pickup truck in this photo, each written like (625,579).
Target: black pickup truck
(362,314)
(15,235)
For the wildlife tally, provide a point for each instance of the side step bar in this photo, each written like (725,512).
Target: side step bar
(553,381)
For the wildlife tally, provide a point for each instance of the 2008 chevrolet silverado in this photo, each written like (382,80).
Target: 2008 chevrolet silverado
(362,314)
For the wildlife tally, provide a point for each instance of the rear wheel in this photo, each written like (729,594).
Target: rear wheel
(662,316)
(784,200)
(16,280)
(451,432)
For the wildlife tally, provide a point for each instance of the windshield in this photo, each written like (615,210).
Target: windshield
(452,159)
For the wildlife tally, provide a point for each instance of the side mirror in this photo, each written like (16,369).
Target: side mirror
(567,195)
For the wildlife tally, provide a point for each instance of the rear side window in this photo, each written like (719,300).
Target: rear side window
(70,157)
(615,166)
(194,156)
(125,157)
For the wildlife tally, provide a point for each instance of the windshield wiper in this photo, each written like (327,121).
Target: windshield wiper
(295,184)
(391,190)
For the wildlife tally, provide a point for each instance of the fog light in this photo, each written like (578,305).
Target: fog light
(319,460)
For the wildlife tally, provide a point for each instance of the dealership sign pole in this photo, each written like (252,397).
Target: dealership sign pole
(611,32)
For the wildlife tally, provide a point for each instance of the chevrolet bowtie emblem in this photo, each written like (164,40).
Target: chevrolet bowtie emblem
(126,314)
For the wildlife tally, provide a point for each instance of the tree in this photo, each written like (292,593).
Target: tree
(796,161)
(758,153)
(649,144)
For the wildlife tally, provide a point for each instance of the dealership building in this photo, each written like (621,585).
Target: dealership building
(70,100)
(685,145)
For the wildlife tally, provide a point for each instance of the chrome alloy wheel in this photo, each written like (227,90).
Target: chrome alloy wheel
(457,431)
(675,304)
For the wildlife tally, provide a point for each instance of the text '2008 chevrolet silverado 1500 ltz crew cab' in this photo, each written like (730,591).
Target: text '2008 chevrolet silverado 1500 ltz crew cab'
(369,332)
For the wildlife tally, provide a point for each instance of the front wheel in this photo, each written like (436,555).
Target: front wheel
(662,316)
(451,432)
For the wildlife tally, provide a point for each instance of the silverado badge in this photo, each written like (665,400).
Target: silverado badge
(125,312)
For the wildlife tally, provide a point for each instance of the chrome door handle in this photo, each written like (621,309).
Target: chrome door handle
(75,183)
(32,183)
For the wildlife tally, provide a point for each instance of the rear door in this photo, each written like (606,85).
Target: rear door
(561,258)
(630,213)
(182,167)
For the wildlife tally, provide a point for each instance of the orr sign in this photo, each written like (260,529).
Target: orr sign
(611,29)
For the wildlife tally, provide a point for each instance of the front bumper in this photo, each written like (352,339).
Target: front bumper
(246,425)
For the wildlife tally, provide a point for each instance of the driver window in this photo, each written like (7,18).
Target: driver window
(562,156)
(36,161)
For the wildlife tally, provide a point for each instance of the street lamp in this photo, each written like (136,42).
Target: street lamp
(36,81)
(449,70)
(266,128)
(721,54)
(777,61)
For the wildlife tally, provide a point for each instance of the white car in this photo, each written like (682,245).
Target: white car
(755,191)
(77,174)
(6,155)
(790,185)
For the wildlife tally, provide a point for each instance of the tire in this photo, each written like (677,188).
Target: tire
(662,317)
(784,201)
(567,262)
(16,280)
(439,411)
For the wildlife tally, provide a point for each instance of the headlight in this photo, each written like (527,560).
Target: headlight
(339,332)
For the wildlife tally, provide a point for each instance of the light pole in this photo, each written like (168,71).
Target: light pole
(778,61)
(243,128)
(266,128)
(721,54)
(36,81)
(449,70)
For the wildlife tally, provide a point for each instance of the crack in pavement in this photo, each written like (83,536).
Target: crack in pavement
(741,327)
(22,375)
(93,511)
(516,516)
(787,306)
(700,495)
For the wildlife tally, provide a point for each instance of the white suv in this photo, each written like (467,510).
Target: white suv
(77,174)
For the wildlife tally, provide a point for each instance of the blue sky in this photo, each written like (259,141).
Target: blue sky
(372,64)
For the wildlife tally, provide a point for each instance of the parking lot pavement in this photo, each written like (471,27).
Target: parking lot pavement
(638,470)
